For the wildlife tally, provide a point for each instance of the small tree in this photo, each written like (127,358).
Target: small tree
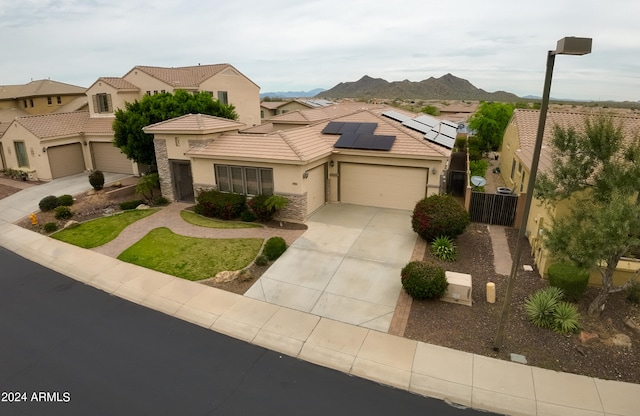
(147,184)
(598,170)
(489,122)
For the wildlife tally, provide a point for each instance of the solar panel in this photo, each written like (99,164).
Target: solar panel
(396,116)
(431,135)
(415,125)
(445,141)
(346,141)
(332,128)
(428,120)
(448,130)
(349,127)
(382,142)
(450,123)
(363,142)
(367,128)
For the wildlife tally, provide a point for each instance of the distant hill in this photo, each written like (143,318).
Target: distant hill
(447,87)
(292,94)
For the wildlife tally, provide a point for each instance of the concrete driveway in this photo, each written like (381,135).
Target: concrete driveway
(346,266)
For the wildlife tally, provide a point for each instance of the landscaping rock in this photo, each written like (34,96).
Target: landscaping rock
(143,206)
(91,192)
(226,276)
(588,337)
(621,340)
(71,224)
(108,211)
(631,323)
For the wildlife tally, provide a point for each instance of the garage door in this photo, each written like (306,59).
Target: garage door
(315,184)
(382,186)
(108,158)
(65,160)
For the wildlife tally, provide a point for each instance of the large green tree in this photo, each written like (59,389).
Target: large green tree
(489,123)
(598,171)
(127,127)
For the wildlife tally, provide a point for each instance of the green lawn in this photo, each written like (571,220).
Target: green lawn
(100,231)
(201,221)
(188,257)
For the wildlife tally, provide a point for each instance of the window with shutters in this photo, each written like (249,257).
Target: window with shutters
(102,103)
(244,179)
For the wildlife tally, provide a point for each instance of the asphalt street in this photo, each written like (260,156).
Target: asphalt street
(69,349)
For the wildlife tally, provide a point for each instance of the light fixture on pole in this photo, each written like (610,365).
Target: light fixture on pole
(566,46)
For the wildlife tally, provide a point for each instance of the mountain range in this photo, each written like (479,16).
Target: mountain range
(447,87)
(292,94)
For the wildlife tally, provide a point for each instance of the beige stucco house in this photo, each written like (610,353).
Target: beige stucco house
(53,145)
(304,164)
(516,155)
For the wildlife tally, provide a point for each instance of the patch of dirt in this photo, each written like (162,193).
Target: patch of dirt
(473,329)
(6,190)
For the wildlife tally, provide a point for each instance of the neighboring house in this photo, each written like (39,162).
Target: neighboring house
(59,144)
(269,109)
(39,97)
(516,156)
(310,165)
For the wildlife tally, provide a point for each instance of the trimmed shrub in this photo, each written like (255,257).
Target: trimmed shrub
(50,227)
(422,280)
(274,247)
(261,260)
(571,279)
(220,205)
(160,201)
(258,205)
(48,203)
(444,249)
(633,292)
(65,200)
(96,179)
(62,213)
(248,216)
(130,204)
(439,215)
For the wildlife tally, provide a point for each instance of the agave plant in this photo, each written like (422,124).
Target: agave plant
(444,249)
(566,318)
(541,306)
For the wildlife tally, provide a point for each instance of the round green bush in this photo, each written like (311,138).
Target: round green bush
(248,216)
(96,179)
(160,201)
(130,204)
(262,260)
(422,280)
(48,203)
(274,247)
(571,279)
(63,213)
(50,227)
(65,200)
(258,205)
(439,215)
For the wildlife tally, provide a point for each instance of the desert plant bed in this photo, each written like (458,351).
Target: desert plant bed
(473,329)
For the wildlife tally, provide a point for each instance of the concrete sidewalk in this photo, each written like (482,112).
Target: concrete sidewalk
(458,377)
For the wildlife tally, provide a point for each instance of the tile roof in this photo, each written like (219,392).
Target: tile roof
(99,125)
(323,113)
(55,124)
(307,143)
(37,88)
(118,83)
(186,76)
(263,128)
(195,123)
(272,105)
(527,126)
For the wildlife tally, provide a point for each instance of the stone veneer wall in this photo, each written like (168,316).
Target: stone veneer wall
(164,169)
(296,209)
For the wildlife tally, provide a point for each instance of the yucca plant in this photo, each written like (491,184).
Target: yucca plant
(541,306)
(566,318)
(444,249)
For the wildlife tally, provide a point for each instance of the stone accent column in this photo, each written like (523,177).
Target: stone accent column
(296,209)
(164,169)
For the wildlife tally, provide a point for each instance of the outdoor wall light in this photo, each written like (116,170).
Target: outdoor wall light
(434,170)
(305,175)
(44,150)
(332,163)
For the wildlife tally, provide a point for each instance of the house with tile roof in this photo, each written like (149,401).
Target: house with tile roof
(306,164)
(39,97)
(54,145)
(516,155)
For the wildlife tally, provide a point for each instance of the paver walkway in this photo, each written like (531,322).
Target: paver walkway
(169,217)
(500,246)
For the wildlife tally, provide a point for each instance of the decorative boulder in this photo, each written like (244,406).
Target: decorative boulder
(226,276)
(71,224)
(143,206)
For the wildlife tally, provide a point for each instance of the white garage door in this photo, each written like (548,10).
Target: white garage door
(65,160)
(108,158)
(382,186)
(315,184)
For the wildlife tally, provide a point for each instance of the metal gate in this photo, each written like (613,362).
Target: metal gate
(456,182)
(493,208)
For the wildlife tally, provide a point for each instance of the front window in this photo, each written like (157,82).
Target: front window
(244,180)
(102,103)
(21,154)
(223,98)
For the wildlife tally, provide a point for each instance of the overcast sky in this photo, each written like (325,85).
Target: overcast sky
(285,45)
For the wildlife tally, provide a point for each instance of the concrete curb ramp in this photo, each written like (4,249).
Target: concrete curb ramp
(458,377)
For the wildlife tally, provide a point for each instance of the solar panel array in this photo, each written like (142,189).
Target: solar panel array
(358,136)
(441,132)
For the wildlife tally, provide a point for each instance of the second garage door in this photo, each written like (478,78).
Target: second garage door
(382,186)
(108,158)
(65,160)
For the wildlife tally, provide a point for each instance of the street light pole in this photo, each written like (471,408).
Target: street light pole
(566,46)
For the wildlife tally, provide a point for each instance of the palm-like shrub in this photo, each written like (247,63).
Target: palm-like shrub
(439,215)
(422,280)
(444,249)
(546,309)
(566,318)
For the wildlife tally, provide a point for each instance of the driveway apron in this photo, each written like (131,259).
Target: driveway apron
(346,266)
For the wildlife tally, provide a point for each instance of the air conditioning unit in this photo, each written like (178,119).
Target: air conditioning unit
(459,290)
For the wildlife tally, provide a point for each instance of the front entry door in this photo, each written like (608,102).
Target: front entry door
(182,180)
